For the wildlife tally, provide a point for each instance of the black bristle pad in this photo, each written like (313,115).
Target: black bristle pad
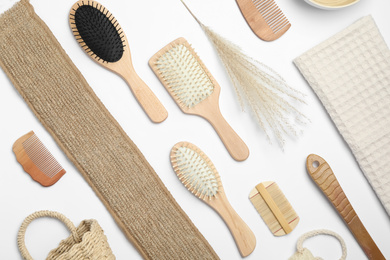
(99,33)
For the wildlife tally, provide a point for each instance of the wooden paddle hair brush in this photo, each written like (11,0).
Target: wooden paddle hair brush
(195,91)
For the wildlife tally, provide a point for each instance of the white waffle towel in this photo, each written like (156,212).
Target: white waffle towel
(350,73)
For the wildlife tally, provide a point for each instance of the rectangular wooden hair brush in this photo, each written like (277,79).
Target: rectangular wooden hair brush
(195,90)
(36,160)
(274,208)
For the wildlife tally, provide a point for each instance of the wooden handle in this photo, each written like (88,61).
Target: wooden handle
(325,179)
(146,98)
(276,211)
(243,236)
(233,143)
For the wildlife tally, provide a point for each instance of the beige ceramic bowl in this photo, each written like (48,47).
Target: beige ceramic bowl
(331,4)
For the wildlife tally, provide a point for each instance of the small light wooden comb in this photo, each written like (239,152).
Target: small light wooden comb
(265,18)
(36,160)
(274,208)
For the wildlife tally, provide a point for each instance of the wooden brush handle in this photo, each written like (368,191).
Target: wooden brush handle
(325,179)
(233,143)
(146,98)
(244,237)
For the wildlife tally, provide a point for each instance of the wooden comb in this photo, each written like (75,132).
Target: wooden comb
(36,160)
(320,171)
(265,18)
(274,208)
(195,90)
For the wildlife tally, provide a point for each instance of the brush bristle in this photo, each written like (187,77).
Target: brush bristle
(271,14)
(97,31)
(266,213)
(41,157)
(195,170)
(184,75)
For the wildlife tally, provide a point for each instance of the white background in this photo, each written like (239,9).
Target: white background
(150,25)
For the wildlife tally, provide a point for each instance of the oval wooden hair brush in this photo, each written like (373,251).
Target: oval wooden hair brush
(195,90)
(100,35)
(198,174)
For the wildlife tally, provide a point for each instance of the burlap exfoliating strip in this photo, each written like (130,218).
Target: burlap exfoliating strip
(109,161)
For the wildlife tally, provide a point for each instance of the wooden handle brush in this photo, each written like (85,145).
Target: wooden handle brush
(198,174)
(100,35)
(195,90)
(325,179)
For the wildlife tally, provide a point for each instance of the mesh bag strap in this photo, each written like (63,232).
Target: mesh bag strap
(40,214)
(322,232)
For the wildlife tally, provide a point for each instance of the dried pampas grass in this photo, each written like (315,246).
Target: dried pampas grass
(270,99)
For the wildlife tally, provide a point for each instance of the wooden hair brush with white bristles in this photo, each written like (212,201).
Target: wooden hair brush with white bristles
(198,174)
(195,90)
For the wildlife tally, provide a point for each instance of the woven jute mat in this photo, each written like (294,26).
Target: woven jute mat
(109,161)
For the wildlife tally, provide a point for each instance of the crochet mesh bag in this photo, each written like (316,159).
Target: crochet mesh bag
(87,241)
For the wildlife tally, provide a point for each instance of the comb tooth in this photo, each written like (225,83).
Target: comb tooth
(281,25)
(275,17)
(270,12)
(258,3)
(279,15)
(264,6)
(277,21)
(267,8)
